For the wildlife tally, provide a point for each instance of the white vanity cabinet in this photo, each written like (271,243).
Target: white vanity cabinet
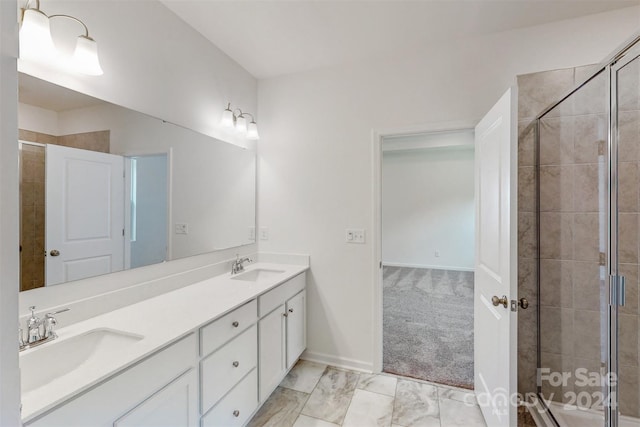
(160,391)
(282,332)
(213,375)
(228,377)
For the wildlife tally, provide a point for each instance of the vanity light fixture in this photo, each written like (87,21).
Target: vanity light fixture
(238,119)
(36,42)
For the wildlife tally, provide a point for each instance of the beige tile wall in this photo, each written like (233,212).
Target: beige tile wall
(573,286)
(535,92)
(32,195)
(32,217)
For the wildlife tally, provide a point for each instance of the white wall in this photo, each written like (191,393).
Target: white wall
(9,282)
(428,206)
(153,62)
(315,169)
(37,119)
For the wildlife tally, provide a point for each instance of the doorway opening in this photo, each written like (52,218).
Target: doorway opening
(427,248)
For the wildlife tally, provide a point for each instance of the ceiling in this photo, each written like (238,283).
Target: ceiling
(273,37)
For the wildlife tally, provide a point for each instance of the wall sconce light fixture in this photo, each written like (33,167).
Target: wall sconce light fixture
(36,42)
(237,119)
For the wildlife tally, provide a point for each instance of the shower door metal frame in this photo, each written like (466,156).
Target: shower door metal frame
(616,295)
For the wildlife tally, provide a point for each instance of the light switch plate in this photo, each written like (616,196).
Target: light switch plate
(355,235)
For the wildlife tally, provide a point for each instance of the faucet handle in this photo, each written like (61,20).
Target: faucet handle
(50,323)
(53,313)
(33,320)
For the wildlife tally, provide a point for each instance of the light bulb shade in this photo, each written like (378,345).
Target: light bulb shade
(252,131)
(227,119)
(241,125)
(35,37)
(85,58)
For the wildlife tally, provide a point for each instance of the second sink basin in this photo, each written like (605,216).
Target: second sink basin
(41,365)
(257,274)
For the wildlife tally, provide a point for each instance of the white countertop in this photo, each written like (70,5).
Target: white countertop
(161,320)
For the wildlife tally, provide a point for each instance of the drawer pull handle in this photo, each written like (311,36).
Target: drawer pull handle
(236,413)
(235,324)
(236,364)
(291,310)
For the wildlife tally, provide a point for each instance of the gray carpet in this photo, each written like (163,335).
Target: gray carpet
(428,324)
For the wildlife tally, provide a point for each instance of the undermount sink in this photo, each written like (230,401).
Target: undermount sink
(57,359)
(257,274)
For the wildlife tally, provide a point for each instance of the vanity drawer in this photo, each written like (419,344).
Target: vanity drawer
(277,296)
(219,372)
(228,326)
(236,408)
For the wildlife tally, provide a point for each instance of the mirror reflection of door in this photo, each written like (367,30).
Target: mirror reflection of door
(84,225)
(146,207)
(71,210)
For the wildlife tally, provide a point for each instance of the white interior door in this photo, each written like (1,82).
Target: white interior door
(84,214)
(495,326)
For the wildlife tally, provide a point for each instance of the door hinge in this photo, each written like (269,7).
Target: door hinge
(617,290)
(123,231)
(602,258)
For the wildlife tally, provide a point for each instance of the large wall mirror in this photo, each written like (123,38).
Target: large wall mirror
(104,188)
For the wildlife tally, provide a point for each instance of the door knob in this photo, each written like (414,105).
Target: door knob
(54,252)
(523,303)
(497,301)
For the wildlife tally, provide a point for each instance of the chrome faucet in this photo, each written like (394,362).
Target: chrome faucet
(36,335)
(238,265)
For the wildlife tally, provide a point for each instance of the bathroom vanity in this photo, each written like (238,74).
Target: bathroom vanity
(207,354)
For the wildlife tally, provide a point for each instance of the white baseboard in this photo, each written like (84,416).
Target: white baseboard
(434,267)
(337,361)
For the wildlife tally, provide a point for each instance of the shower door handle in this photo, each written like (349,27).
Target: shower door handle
(617,290)
(497,301)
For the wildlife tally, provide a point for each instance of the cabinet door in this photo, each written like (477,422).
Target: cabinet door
(173,406)
(272,351)
(296,327)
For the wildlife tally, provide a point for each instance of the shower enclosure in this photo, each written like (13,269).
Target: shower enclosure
(588,216)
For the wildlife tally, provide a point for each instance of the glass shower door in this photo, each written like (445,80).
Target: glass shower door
(625,109)
(573,191)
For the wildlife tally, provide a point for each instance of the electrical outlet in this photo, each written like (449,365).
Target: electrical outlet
(264,233)
(182,229)
(354,235)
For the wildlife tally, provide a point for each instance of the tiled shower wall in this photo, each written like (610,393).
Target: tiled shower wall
(536,92)
(31,217)
(32,197)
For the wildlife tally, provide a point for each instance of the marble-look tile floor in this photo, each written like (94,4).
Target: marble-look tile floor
(315,395)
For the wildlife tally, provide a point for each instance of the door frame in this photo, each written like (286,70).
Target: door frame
(377,135)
